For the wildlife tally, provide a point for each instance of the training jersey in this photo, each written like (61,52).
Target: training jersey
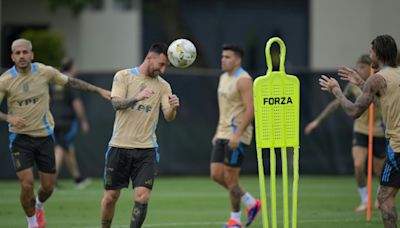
(231,107)
(361,124)
(28,97)
(61,106)
(390,104)
(135,127)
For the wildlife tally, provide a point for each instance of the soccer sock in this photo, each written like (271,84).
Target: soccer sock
(248,200)
(363,194)
(138,215)
(32,220)
(236,215)
(38,203)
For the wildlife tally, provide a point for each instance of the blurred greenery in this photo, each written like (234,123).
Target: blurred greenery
(47,46)
(76,6)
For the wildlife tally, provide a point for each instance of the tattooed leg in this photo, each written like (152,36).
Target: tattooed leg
(386,197)
(235,194)
(235,191)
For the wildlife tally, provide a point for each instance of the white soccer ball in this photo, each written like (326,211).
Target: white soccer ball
(181,53)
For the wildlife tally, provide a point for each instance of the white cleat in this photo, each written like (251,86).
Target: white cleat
(83,184)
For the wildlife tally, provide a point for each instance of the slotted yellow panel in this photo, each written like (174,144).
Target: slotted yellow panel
(277,119)
(277,105)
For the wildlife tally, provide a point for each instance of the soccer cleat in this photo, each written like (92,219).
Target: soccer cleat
(83,184)
(361,208)
(232,223)
(252,212)
(41,220)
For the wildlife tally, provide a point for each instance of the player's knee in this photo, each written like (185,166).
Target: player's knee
(142,197)
(48,187)
(358,166)
(217,177)
(27,185)
(110,198)
(230,179)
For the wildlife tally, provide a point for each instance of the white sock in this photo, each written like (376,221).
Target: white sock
(363,194)
(39,204)
(236,215)
(248,200)
(32,220)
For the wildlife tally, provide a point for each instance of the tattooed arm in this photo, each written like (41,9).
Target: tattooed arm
(121,103)
(84,86)
(373,85)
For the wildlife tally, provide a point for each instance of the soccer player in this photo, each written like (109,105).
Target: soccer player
(67,108)
(31,124)
(136,95)
(384,85)
(360,134)
(234,133)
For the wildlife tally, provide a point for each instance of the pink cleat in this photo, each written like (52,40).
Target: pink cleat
(41,220)
(252,212)
(232,223)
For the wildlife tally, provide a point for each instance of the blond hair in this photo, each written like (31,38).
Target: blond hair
(19,42)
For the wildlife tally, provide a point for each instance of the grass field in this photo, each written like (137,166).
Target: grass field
(191,202)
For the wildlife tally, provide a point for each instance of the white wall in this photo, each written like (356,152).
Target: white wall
(342,30)
(108,39)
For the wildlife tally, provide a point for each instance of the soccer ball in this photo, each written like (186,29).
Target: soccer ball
(181,53)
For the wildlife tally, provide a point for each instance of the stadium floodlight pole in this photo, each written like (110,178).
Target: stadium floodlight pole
(277,115)
(370,148)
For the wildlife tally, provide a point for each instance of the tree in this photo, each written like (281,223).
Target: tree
(76,6)
(47,46)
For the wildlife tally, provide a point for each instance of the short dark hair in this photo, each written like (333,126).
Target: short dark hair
(386,49)
(235,48)
(159,48)
(364,59)
(66,64)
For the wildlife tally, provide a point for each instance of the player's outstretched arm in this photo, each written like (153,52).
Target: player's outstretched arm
(84,86)
(328,110)
(373,85)
(121,103)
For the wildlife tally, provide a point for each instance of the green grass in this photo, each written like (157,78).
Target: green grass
(191,202)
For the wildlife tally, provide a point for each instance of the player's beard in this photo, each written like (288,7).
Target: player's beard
(23,64)
(154,73)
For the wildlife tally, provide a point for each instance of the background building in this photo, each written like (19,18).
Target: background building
(109,35)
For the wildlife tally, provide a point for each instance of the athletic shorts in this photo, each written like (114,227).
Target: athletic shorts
(222,154)
(64,135)
(139,165)
(390,175)
(27,150)
(379,144)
